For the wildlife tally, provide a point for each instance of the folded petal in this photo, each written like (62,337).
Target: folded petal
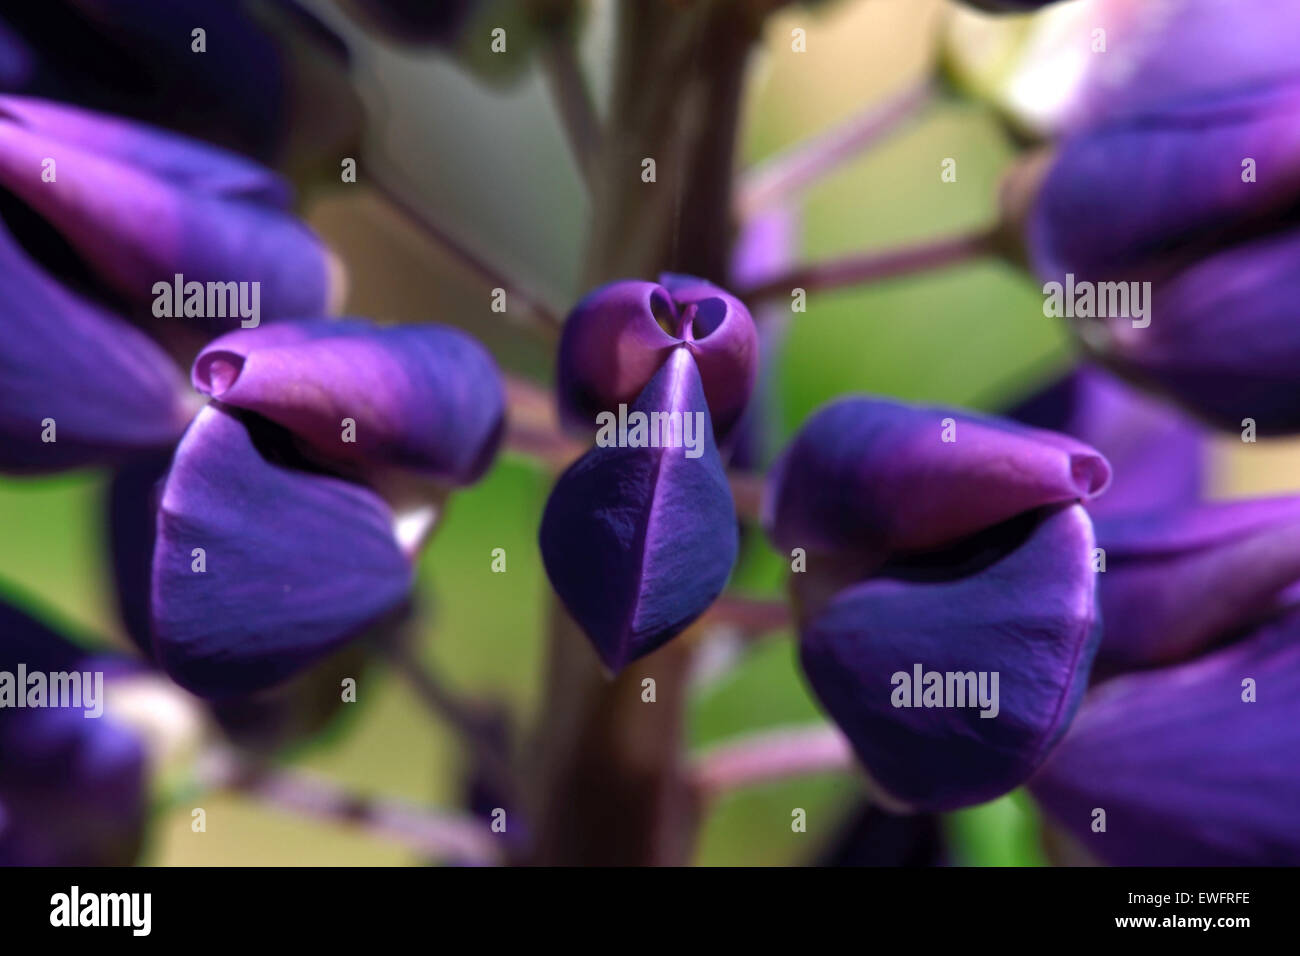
(78,385)
(869,476)
(1124,194)
(620,335)
(1179,580)
(424,397)
(135,222)
(1192,765)
(1011,640)
(1156,452)
(639,541)
(293,562)
(1223,340)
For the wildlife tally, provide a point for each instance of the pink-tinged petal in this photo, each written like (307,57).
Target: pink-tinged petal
(1189,771)
(294,562)
(134,226)
(424,397)
(872,477)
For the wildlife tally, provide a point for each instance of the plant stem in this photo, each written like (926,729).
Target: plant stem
(876,266)
(768,756)
(611,776)
(572,98)
(544,320)
(442,835)
(779,176)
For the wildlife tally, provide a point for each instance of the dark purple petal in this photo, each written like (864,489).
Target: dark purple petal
(1223,339)
(874,837)
(1122,194)
(1178,580)
(195,212)
(619,336)
(1188,773)
(638,542)
(132,524)
(870,477)
(1028,616)
(110,390)
(72,788)
(1156,452)
(424,397)
(296,562)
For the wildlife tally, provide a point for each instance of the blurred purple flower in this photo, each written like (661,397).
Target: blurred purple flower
(954,544)
(1193,765)
(271,81)
(97,212)
(73,789)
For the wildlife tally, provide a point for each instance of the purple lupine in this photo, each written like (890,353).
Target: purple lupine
(89,363)
(274,546)
(1192,765)
(950,543)
(639,538)
(73,788)
(1187,181)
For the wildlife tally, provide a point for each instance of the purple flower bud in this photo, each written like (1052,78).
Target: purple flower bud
(423,397)
(639,540)
(1193,765)
(948,617)
(138,207)
(73,789)
(621,334)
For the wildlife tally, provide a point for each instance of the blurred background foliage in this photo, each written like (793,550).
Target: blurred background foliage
(491,164)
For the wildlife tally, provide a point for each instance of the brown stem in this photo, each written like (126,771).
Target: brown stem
(612,781)
(572,98)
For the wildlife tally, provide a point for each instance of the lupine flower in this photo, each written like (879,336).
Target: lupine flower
(274,547)
(99,213)
(1193,764)
(639,535)
(968,555)
(256,87)
(639,541)
(73,788)
(1189,185)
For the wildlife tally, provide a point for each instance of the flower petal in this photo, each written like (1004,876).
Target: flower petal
(108,388)
(135,225)
(1028,617)
(619,336)
(1178,580)
(1156,452)
(424,397)
(296,562)
(869,476)
(638,542)
(1188,772)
